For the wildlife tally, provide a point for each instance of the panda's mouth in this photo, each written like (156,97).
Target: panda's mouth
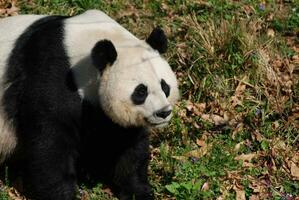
(156,124)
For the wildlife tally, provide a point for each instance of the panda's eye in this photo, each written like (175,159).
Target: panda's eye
(139,95)
(165,87)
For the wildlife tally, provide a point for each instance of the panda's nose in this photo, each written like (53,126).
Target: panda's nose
(163,113)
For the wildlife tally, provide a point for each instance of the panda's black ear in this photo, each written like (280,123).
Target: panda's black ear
(103,54)
(158,40)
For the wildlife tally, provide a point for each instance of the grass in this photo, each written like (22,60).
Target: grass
(235,131)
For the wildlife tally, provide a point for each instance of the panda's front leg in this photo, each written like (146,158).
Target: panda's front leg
(49,167)
(131,173)
(134,185)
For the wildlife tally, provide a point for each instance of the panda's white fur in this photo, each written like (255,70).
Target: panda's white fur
(136,63)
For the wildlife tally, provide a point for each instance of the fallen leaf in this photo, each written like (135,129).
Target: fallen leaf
(218,120)
(205,186)
(254,197)
(196,125)
(270,32)
(258,135)
(195,108)
(198,153)
(14,194)
(240,193)
(205,117)
(238,146)
(180,158)
(201,106)
(238,129)
(13,10)
(240,89)
(294,170)
(246,157)
(84,195)
(235,101)
(200,143)
(9,8)
(247,164)
(108,191)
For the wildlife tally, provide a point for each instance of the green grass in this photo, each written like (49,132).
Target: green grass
(240,94)
(3,196)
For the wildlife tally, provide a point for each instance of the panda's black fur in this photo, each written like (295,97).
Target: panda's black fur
(60,139)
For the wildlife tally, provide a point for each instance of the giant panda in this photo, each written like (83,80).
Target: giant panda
(78,96)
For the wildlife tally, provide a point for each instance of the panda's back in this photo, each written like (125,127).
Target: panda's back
(11,28)
(86,29)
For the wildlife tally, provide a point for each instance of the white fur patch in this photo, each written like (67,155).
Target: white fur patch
(8,140)
(10,29)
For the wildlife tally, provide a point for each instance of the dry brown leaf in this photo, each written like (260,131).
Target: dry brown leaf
(202,3)
(9,8)
(295,157)
(295,170)
(215,119)
(189,106)
(270,32)
(258,186)
(279,144)
(205,117)
(240,89)
(225,189)
(247,164)
(238,146)
(240,193)
(238,129)
(180,158)
(196,125)
(205,186)
(84,195)
(200,143)
(275,125)
(218,120)
(195,108)
(254,197)
(108,191)
(258,135)
(246,157)
(295,58)
(2,11)
(13,10)
(198,153)
(235,101)
(201,106)
(14,194)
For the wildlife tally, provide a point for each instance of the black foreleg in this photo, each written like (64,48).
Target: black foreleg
(131,173)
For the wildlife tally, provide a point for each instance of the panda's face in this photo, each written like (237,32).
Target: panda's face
(139,90)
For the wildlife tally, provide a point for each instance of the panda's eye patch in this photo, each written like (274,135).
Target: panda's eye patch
(165,87)
(139,95)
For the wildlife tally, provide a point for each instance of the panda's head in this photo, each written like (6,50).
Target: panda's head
(137,86)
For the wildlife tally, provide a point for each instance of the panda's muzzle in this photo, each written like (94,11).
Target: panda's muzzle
(162,113)
(160,118)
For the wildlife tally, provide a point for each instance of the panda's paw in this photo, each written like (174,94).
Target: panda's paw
(145,197)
